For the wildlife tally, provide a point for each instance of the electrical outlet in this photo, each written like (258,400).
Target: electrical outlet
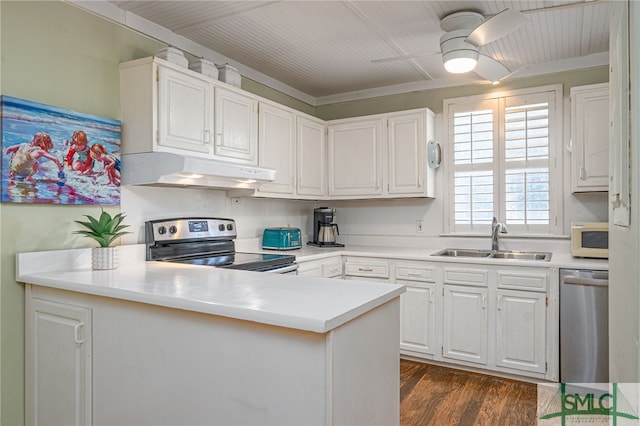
(419,226)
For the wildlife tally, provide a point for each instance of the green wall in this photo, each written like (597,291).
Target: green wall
(57,54)
(433,98)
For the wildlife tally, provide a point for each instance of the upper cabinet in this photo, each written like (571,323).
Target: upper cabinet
(236,125)
(277,136)
(185,111)
(590,138)
(169,108)
(311,157)
(381,156)
(355,163)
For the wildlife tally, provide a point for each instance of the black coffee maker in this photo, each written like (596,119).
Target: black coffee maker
(324,230)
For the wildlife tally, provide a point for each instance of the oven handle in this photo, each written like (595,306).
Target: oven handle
(284,270)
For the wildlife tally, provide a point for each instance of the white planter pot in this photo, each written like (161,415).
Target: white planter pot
(104,258)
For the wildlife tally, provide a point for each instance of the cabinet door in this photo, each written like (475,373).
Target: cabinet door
(520,334)
(355,167)
(58,373)
(184,111)
(465,324)
(276,136)
(407,160)
(236,126)
(590,138)
(418,317)
(312,157)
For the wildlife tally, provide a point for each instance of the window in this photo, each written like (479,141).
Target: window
(502,151)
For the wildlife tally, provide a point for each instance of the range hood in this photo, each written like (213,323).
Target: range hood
(167,169)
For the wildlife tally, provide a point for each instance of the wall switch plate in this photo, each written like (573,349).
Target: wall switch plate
(419,226)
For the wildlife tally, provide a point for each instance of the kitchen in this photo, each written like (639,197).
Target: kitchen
(39,227)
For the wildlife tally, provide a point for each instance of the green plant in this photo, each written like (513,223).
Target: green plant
(105,229)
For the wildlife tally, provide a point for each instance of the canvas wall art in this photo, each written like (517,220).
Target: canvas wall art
(56,156)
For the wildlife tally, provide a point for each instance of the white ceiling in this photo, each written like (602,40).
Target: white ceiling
(324,49)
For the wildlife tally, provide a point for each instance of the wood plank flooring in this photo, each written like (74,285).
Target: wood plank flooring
(434,395)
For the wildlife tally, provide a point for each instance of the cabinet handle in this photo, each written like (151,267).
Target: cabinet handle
(76,333)
(365,269)
(431,296)
(582,173)
(484,302)
(207,137)
(414,274)
(499,303)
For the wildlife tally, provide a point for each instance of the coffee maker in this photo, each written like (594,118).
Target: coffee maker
(324,230)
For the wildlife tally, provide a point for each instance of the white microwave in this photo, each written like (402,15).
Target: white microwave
(590,239)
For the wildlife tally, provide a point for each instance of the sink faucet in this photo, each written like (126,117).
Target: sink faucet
(497,227)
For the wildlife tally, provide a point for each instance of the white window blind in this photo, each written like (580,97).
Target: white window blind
(501,163)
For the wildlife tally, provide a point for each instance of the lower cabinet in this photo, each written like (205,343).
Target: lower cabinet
(327,268)
(418,331)
(465,324)
(521,330)
(58,370)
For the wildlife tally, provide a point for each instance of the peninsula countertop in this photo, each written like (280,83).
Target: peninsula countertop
(304,303)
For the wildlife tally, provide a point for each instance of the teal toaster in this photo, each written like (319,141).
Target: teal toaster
(281,238)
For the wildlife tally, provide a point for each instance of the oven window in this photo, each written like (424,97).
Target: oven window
(595,239)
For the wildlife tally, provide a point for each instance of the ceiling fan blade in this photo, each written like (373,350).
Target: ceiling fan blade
(402,57)
(497,27)
(490,69)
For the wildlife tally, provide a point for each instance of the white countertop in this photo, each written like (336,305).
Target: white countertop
(558,260)
(304,303)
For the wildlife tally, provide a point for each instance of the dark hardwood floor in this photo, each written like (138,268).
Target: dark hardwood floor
(434,395)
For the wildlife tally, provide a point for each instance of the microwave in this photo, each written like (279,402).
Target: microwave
(590,239)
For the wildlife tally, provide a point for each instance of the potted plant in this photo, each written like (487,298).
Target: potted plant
(104,230)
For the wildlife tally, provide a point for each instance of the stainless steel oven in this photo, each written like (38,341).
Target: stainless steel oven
(210,242)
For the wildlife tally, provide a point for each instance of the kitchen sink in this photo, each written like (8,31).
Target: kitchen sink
(495,254)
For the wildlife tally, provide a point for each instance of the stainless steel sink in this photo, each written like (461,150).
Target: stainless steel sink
(495,254)
(463,253)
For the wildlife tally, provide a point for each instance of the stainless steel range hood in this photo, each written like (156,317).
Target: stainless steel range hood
(167,169)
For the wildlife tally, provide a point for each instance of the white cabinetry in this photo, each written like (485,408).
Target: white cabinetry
(366,269)
(311,144)
(236,126)
(58,370)
(520,330)
(419,330)
(355,163)
(276,133)
(590,138)
(169,108)
(185,111)
(465,321)
(407,137)
(381,156)
(327,268)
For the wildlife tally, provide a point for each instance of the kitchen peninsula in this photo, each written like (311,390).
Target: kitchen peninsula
(157,343)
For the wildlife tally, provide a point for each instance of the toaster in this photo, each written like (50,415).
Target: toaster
(281,238)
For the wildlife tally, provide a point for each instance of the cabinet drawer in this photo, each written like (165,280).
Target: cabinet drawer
(536,280)
(465,276)
(331,270)
(411,273)
(380,270)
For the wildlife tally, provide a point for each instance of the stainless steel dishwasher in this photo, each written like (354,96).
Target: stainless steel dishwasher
(584,326)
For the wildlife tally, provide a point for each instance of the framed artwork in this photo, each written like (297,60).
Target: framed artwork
(53,155)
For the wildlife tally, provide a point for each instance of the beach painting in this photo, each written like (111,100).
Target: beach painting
(52,155)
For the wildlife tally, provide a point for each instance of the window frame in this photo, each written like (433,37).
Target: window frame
(556,191)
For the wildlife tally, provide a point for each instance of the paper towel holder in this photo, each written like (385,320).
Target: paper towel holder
(434,154)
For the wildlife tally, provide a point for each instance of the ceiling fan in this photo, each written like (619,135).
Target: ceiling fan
(465,33)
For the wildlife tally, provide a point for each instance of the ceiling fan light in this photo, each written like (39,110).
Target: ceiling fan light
(460,65)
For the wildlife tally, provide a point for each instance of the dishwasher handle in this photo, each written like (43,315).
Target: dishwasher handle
(586,281)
